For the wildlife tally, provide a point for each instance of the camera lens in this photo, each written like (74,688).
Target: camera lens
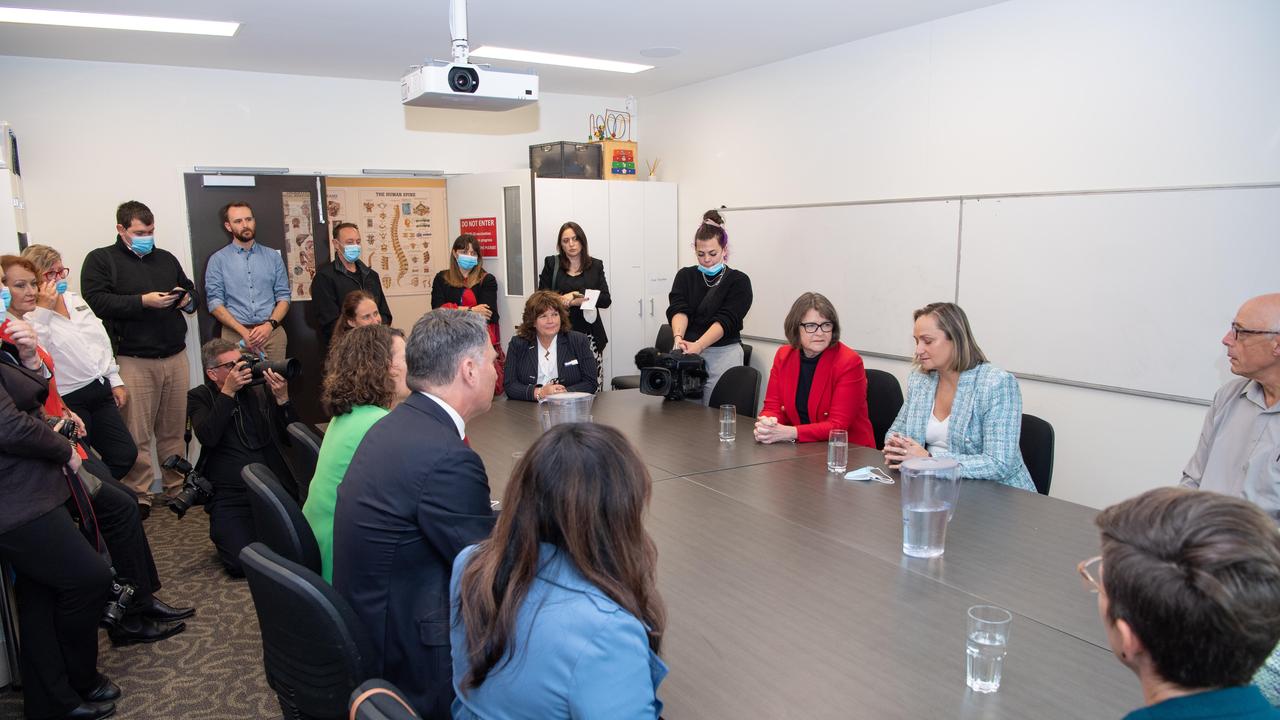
(463,79)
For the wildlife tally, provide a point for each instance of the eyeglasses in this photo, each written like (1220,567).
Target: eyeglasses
(1237,331)
(1091,573)
(227,364)
(812,328)
(57,274)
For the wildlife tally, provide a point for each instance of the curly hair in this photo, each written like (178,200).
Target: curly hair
(538,303)
(358,370)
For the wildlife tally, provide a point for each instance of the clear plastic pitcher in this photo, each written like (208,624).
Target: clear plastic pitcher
(567,407)
(930,489)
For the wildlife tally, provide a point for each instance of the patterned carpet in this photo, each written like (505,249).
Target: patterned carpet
(213,670)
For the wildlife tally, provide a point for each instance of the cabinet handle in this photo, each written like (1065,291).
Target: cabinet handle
(650,307)
(641,308)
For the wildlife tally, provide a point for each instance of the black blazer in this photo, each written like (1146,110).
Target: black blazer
(31,454)
(330,287)
(591,278)
(413,497)
(573,355)
(486,292)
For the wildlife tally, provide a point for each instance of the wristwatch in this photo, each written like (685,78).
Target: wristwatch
(274,323)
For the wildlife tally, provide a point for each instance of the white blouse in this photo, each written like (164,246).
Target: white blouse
(935,433)
(548,364)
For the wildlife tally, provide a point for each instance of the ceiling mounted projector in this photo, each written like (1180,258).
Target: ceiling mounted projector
(461,85)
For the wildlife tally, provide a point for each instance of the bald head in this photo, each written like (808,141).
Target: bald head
(1262,312)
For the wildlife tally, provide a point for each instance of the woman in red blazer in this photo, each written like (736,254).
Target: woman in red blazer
(817,384)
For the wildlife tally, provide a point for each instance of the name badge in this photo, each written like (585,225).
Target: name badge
(81,308)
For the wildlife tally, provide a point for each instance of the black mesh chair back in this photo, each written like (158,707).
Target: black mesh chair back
(380,700)
(314,649)
(306,443)
(663,343)
(884,400)
(278,522)
(746,354)
(1036,444)
(738,386)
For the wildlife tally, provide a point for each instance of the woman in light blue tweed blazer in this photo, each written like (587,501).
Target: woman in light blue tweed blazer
(959,405)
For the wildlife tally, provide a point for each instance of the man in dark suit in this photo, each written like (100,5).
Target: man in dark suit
(414,496)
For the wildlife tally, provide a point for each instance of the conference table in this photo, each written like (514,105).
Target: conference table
(788,595)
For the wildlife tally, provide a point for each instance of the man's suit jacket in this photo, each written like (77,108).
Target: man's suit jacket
(413,497)
(574,358)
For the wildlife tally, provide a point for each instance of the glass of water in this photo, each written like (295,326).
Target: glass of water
(728,423)
(838,451)
(930,489)
(985,645)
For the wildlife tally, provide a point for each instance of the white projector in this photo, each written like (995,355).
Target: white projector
(467,87)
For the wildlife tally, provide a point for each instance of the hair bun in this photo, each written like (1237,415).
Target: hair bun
(712,217)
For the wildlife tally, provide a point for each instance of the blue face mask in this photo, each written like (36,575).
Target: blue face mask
(468,262)
(5,297)
(61,286)
(143,245)
(711,270)
(351,252)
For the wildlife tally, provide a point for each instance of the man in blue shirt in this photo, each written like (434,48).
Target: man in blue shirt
(247,286)
(1188,585)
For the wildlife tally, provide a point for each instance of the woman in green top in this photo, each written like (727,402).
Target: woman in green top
(364,378)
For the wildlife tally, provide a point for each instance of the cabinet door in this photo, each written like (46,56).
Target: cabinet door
(661,243)
(628,332)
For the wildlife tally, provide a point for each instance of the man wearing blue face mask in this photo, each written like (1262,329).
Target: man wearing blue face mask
(141,292)
(346,273)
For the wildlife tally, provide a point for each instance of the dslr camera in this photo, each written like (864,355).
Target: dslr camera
(118,602)
(673,375)
(68,429)
(196,489)
(289,368)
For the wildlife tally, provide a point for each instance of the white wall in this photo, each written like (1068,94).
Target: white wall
(95,134)
(1028,95)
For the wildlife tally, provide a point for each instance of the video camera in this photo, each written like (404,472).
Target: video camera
(289,368)
(196,489)
(674,375)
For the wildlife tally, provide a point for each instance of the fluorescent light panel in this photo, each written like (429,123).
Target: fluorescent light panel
(118,22)
(541,58)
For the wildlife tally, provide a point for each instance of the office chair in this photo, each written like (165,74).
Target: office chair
(277,520)
(739,386)
(884,400)
(663,343)
(380,700)
(1036,443)
(307,443)
(314,649)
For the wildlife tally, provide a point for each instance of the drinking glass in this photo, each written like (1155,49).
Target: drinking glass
(838,451)
(728,423)
(986,640)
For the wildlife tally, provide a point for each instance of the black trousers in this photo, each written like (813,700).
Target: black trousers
(231,529)
(121,528)
(61,589)
(104,426)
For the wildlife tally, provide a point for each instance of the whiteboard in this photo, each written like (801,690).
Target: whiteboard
(1131,290)
(875,262)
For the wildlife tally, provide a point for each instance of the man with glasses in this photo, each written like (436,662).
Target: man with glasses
(237,425)
(1239,450)
(1188,585)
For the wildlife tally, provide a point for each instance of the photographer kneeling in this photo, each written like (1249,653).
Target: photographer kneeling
(237,424)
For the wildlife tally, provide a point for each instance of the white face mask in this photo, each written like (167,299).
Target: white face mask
(869,473)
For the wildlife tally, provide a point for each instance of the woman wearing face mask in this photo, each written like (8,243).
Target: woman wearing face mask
(958,405)
(817,384)
(546,357)
(364,379)
(571,272)
(88,376)
(708,303)
(466,286)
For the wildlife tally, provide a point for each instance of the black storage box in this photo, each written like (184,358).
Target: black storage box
(581,161)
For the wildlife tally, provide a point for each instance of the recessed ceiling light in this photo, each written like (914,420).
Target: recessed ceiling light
(541,58)
(117,22)
(660,52)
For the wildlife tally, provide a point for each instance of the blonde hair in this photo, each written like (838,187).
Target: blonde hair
(42,256)
(955,325)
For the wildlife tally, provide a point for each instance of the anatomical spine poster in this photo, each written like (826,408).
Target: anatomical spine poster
(403,226)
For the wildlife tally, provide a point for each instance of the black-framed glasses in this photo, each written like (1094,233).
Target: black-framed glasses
(812,328)
(1091,573)
(1237,331)
(227,364)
